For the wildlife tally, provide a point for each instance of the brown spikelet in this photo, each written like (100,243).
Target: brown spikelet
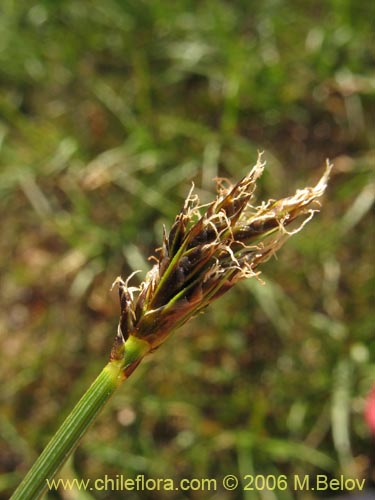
(209,249)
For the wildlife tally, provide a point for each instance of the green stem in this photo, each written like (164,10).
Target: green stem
(83,414)
(67,437)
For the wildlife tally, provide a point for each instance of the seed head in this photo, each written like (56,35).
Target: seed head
(208,250)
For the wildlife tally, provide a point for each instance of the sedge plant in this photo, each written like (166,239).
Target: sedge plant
(208,249)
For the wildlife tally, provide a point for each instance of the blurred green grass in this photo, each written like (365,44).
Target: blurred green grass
(108,112)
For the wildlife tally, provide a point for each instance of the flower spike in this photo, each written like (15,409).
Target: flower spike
(208,249)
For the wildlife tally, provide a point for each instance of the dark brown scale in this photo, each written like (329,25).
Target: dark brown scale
(163,264)
(204,233)
(235,207)
(178,277)
(183,273)
(234,203)
(183,269)
(122,295)
(203,237)
(176,235)
(194,294)
(255,229)
(124,323)
(185,264)
(170,287)
(191,258)
(125,317)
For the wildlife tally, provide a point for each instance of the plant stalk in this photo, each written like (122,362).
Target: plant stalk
(124,360)
(71,431)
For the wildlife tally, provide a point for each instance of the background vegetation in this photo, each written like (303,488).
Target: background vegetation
(108,111)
